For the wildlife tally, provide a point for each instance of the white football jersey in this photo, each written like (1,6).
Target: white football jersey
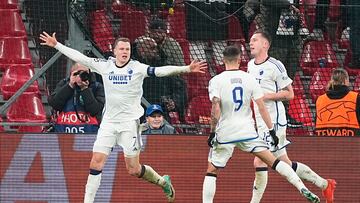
(272,77)
(123,88)
(235,89)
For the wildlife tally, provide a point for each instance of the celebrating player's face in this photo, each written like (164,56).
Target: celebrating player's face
(122,52)
(256,44)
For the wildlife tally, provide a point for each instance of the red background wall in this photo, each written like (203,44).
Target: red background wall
(185,159)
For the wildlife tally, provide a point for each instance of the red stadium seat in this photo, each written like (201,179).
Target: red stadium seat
(15,77)
(9,4)
(235,30)
(300,111)
(133,24)
(348,57)
(317,55)
(120,8)
(318,83)
(14,50)
(308,9)
(343,37)
(198,111)
(197,84)
(334,10)
(177,27)
(11,23)
(185,49)
(357,85)
(102,31)
(27,108)
(298,86)
(30,129)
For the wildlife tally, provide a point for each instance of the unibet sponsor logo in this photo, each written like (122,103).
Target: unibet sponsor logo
(120,79)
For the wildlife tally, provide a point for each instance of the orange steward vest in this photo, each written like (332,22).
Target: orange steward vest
(337,117)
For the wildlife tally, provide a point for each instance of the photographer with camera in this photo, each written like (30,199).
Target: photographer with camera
(78,101)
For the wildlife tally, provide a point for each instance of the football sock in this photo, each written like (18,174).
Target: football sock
(286,171)
(92,185)
(150,175)
(305,173)
(209,188)
(260,182)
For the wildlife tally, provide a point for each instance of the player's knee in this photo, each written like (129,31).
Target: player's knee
(212,169)
(97,162)
(258,163)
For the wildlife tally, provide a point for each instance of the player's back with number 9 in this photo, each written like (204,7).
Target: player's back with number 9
(235,89)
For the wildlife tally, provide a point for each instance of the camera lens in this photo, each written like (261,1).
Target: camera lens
(84,76)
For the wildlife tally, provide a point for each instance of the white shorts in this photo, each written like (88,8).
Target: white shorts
(283,142)
(220,154)
(124,134)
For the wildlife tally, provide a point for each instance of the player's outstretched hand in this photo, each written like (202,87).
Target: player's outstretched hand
(48,40)
(198,66)
(210,140)
(275,138)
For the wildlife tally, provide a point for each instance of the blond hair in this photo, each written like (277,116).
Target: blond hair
(339,76)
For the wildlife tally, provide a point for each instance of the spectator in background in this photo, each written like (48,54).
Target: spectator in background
(206,19)
(155,122)
(354,24)
(338,110)
(321,12)
(170,48)
(236,7)
(283,22)
(79,101)
(170,91)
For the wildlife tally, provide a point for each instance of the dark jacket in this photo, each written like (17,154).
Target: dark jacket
(266,14)
(93,97)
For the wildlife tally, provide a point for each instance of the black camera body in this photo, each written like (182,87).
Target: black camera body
(84,76)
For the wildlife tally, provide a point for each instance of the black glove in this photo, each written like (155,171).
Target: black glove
(275,141)
(210,140)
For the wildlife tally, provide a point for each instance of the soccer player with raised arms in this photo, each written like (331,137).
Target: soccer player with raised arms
(123,79)
(232,125)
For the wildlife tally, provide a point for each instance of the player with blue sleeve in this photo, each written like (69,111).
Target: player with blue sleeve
(232,125)
(123,79)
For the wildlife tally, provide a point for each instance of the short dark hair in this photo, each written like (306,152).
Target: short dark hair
(120,39)
(157,23)
(231,53)
(264,34)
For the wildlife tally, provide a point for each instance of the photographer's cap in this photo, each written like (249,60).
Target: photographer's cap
(153,108)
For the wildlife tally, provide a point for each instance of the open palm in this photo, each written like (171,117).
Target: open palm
(48,40)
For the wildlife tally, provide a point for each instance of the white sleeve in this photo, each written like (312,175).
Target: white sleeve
(169,70)
(281,77)
(93,63)
(213,89)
